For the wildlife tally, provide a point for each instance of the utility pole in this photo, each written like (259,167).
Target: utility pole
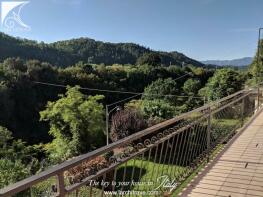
(118,108)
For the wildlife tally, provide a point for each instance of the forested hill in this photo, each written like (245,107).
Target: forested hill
(69,52)
(235,62)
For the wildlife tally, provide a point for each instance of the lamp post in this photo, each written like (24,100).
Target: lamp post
(107,120)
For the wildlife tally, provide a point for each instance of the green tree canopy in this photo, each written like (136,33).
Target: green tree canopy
(161,87)
(191,86)
(11,172)
(152,59)
(5,136)
(158,108)
(76,123)
(224,82)
(17,160)
(69,52)
(256,68)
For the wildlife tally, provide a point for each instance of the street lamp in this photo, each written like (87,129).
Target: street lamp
(117,108)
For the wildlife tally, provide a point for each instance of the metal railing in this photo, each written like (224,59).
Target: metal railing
(169,151)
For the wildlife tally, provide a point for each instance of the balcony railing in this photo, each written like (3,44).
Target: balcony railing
(168,152)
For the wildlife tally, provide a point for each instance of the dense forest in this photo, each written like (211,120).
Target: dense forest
(22,99)
(43,124)
(69,52)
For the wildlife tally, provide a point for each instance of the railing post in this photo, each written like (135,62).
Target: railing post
(242,111)
(208,133)
(107,125)
(61,185)
(258,98)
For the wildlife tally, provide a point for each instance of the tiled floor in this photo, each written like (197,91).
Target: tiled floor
(239,171)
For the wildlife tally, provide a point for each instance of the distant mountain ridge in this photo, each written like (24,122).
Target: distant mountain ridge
(235,62)
(69,52)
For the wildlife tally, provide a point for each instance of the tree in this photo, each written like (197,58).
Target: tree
(6,104)
(256,68)
(14,64)
(75,123)
(161,87)
(40,71)
(18,160)
(224,82)
(152,59)
(5,136)
(191,86)
(158,108)
(87,68)
(11,172)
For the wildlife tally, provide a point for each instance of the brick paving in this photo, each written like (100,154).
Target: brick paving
(238,172)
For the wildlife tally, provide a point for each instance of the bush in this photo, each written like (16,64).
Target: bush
(125,123)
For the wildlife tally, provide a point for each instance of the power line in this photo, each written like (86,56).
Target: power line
(116,91)
(182,76)
(124,100)
(85,88)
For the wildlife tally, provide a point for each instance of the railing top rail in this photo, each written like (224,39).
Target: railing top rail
(54,170)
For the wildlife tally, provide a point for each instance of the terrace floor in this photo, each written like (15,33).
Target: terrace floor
(238,169)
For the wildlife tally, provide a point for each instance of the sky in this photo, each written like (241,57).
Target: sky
(201,29)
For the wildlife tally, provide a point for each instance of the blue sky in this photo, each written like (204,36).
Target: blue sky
(201,29)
